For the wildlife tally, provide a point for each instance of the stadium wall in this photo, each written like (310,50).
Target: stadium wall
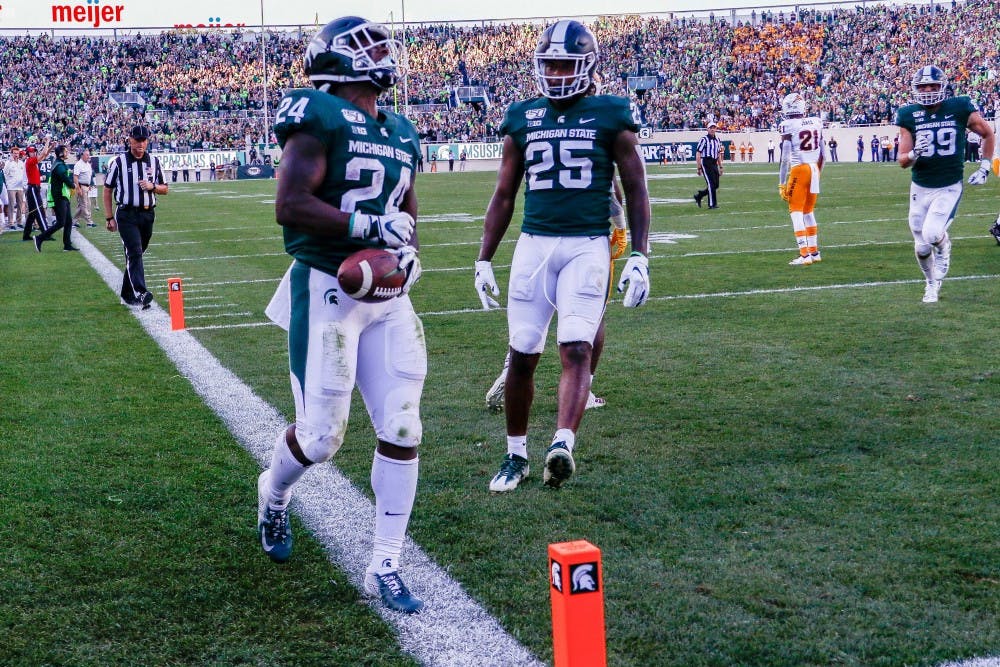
(486,156)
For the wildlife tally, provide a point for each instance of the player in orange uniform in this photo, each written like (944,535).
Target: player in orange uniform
(798,181)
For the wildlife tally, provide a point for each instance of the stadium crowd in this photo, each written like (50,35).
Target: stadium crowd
(205,90)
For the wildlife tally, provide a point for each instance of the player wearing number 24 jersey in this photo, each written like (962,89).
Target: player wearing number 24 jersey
(565,146)
(370,166)
(346,183)
(932,142)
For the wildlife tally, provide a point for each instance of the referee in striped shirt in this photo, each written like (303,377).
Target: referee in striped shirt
(135,178)
(709,161)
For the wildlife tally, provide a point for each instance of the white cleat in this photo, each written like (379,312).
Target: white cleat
(594,401)
(931,291)
(494,397)
(816,258)
(801,260)
(512,471)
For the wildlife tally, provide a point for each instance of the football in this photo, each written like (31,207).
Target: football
(371,275)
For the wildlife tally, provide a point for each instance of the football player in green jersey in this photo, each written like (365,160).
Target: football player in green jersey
(932,142)
(346,183)
(565,144)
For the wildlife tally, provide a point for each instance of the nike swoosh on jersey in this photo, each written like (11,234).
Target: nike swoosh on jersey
(584,121)
(405,140)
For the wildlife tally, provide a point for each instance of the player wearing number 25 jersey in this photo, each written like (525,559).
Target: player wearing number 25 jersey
(565,145)
(932,142)
(798,182)
(346,183)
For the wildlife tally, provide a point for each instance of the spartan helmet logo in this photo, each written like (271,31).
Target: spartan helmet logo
(583,578)
(331,297)
(556,572)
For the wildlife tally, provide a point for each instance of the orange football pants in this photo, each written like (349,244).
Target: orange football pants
(800,200)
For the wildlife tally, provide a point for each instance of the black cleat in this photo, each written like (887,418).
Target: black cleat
(697,198)
(71,249)
(38,243)
(559,465)
(145,299)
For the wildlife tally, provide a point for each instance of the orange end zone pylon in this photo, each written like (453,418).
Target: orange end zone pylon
(576,585)
(176,299)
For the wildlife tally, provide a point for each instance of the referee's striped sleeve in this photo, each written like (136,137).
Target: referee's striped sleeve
(114,172)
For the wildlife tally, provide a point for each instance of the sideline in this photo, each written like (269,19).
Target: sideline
(453,630)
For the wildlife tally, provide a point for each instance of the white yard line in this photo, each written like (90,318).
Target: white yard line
(454,630)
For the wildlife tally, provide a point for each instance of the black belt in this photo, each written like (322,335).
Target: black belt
(136,208)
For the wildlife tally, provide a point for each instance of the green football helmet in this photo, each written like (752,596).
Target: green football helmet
(353,49)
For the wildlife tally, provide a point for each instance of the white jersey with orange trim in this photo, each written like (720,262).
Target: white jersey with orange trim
(806,138)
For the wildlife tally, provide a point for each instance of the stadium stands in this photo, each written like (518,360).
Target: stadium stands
(205,90)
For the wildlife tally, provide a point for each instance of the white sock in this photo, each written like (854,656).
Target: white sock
(395,485)
(285,472)
(926,265)
(812,238)
(591,379)
(567,436)
(799,227)
(518,444)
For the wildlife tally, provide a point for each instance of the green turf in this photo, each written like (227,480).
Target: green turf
(780,477)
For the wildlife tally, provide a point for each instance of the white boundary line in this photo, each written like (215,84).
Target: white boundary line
(454,630)
(674,297)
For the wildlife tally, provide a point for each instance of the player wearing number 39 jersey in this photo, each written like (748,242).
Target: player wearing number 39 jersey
(346,183)
(932,142)
(565,146)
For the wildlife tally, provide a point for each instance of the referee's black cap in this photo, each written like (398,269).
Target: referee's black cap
(139,133)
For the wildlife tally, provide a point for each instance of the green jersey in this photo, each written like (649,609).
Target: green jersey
(945,125)
(369,166)
(60,181)
(568,161)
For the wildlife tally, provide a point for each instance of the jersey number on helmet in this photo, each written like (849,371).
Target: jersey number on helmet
(574,172)
(943,140)
(296,111)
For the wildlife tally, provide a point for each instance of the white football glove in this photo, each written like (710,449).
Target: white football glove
(923,145)
(979,176)
(486,281)
(636,276)
(391,229)
(409,262)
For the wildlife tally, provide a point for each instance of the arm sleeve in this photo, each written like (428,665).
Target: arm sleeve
(786,159)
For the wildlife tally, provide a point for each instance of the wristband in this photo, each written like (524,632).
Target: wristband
(109,219)
(911,155)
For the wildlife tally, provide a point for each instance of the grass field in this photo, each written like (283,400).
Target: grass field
(796,465)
